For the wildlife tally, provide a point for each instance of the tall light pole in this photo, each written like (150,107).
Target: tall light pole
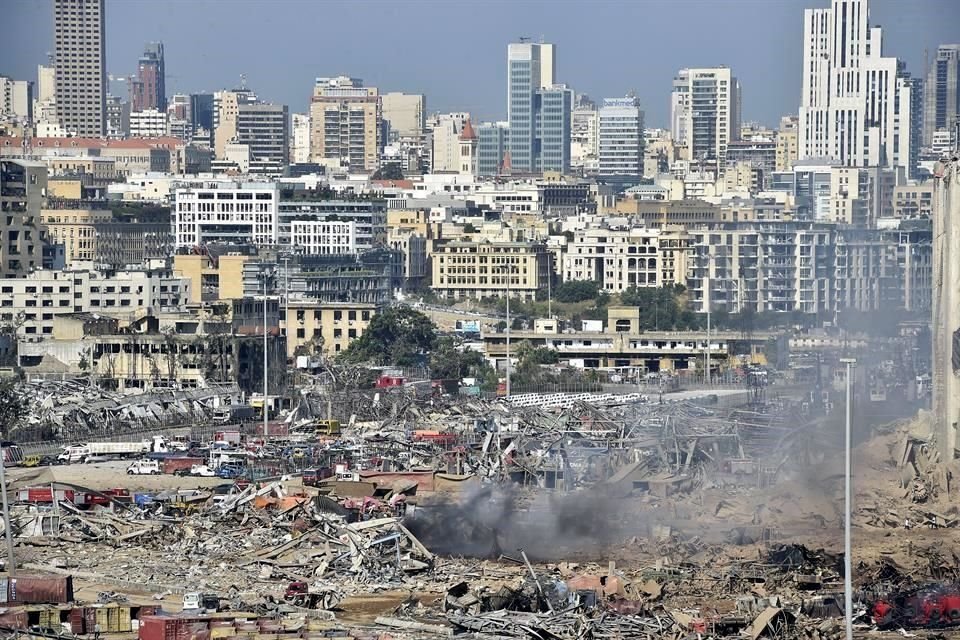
(847,506)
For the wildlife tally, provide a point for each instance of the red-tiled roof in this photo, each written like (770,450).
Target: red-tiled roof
(468,133)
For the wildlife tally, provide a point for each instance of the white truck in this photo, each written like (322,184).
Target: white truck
(144,468)
(83,452)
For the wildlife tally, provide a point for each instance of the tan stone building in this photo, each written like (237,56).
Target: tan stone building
(212,279)
(326,328)
(787,142)
(345,122)
(76,230)
(479,269)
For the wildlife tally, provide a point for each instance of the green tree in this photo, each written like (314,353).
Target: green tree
(451,364)
(13,406)
(576,291)
(398,337)
(390,171)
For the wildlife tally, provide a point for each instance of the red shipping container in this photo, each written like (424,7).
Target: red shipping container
(76,621)
(14,619)
(40,589)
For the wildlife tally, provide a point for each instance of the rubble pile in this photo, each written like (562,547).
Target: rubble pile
(260,536)
(73,409)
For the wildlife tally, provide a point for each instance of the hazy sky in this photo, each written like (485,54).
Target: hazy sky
(455,51)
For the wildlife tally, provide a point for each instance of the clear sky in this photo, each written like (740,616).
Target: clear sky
(454,51)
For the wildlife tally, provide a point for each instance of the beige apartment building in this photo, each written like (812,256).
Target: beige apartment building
(464,269)
(345,122)
(76,230)
(787,143)
(618,259)
(913,201)
(327,328)
(211,280)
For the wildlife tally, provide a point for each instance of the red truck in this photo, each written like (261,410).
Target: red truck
(937,606)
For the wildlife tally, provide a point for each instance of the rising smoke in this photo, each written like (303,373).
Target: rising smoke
(494,521)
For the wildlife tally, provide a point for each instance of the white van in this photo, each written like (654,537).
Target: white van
(144,468)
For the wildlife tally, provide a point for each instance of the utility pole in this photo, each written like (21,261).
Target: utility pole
(847,506)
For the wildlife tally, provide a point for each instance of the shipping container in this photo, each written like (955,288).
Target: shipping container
(102,619)
(90,619)
(126,622)
(172,465)
(40,589)
(113,620)
(14,619)
(76,621)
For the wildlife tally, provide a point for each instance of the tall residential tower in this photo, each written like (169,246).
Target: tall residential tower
(148,90)
(79,60)
(705,112)
(941,102)
(856,105)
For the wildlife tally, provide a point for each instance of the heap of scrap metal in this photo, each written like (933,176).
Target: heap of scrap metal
(73,409)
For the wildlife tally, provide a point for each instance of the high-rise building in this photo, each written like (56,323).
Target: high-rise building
(265,130)
(493,144)
(786,143)
(300,144)
(553,129)
(531,88)
(855,103)
(201,111)
(16,100)
(705,112)
(23,185)
(445,131)
(148,90)
(405,112)
(345,124)
(79,59)
(941,102)
(226,110)
(620,137)
(583,135)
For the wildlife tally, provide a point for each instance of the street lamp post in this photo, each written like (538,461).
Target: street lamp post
(847,506)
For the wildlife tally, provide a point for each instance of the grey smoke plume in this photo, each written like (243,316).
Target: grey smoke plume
(493,521)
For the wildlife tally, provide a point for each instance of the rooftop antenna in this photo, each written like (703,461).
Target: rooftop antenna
(243,81)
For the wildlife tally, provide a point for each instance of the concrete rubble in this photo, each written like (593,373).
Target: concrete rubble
(625,518)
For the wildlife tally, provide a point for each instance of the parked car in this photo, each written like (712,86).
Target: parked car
(229,472)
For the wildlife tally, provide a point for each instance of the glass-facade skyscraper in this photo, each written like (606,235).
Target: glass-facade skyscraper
(538,110)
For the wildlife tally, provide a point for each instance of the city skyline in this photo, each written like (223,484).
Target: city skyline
(198,62)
